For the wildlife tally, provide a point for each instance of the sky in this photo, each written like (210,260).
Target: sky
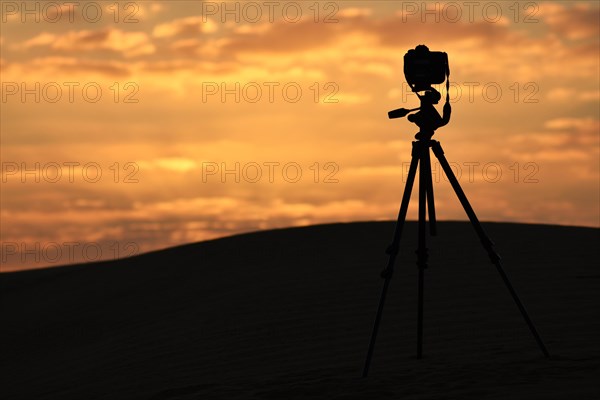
(133,126)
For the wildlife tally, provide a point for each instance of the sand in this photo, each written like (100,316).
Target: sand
(287,314)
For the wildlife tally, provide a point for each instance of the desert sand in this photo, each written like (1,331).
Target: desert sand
(287,314)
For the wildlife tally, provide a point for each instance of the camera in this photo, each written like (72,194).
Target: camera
(423,68)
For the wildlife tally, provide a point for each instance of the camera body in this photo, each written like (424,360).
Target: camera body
(423,68)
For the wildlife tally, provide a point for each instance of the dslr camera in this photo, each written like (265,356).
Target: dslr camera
(423,68)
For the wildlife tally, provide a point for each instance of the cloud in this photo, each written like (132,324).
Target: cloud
(67,67)
(353,12)
(358,43)
(349,98)
(129,44)
(283,37)
(576,21)
(571,123)
(562,94)
(176,164)
(190,26)
(43,39)
(381,69)
(567,139)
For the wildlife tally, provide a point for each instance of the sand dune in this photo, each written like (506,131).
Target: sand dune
(287,314)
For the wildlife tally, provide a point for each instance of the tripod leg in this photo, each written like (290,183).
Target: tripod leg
(393,251)
(487,243)
(430,201)
(424,177)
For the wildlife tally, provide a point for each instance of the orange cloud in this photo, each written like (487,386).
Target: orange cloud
(129,44)
(576,21)
(189,26)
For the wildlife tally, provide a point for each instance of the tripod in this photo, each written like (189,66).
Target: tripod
(421,158)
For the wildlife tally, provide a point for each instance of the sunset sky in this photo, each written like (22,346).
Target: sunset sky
(290,100)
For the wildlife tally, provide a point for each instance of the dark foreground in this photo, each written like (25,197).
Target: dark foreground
(287,314)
